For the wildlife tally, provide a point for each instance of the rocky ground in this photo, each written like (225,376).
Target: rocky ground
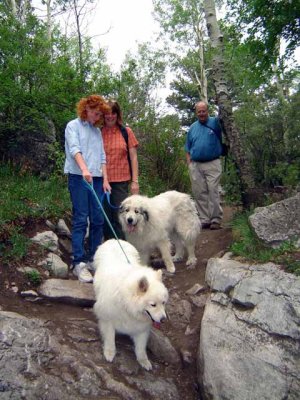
(183,333)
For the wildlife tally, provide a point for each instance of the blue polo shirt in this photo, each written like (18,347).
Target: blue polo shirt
(203,141)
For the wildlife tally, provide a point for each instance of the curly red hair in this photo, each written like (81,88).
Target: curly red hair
(93,102)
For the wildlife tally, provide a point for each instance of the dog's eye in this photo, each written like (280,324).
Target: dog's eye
(136,211)
(127,210)
(153,304)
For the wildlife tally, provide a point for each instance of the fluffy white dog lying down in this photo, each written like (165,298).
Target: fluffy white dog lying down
(150,223)
(129,298)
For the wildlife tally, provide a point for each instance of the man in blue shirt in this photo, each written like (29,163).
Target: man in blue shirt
(203,150)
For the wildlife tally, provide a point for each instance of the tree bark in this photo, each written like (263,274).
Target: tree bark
(231,132)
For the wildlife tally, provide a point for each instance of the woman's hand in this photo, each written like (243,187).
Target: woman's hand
(106,185)
(134,187)
(87,175)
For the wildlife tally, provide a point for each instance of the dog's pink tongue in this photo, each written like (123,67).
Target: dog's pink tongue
(156,325)
(130,228)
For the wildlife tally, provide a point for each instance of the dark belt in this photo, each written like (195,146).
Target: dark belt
(205,161)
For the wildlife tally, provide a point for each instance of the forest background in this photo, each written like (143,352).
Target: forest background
(45,68)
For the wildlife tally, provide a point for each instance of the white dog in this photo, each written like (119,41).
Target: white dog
(129,297)
(150,223)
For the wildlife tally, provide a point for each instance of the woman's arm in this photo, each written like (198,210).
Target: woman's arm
(134,170)
(83,167)
(106,185)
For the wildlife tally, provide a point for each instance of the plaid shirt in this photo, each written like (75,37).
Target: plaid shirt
(116,153)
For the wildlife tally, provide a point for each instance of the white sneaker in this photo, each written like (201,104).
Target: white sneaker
(80,270)
(91,266)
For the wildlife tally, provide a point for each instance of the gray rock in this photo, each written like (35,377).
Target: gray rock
(162,348)
(278,222)
(179,310)
(62,228)
(66,245)
(199,301)
(56,266)
(41,361)
(47,239)
(197,288)
(50,225)
(68,291)
(29,293)
(157,388)
(249,342)
(26,270)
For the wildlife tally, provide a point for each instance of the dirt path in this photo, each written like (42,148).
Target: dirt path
(210,244)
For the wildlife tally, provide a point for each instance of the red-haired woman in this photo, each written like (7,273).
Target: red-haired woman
(122,164)
(86,160)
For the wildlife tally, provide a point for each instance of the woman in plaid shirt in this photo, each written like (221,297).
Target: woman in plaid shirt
(120,174)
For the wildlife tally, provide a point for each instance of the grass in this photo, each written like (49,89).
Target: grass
(34,277)
(16,244)
(25,196)
(247,245)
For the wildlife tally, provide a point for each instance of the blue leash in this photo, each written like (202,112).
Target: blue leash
(107,195)
(91,188)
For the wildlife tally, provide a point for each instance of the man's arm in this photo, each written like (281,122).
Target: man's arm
(188,158)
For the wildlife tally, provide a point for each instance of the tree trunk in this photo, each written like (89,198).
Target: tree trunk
(202,80)
(49,20)
(14,7)
(231,132)
(77,13)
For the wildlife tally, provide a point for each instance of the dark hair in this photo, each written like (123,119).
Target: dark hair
(116,109)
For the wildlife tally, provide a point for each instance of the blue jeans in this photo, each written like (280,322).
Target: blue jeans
(84,207)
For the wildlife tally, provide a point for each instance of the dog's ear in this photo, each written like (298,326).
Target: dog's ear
(143,285)
(159,274)
(145,214)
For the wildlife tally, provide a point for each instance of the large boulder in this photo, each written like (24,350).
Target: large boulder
(42,360)
(250,333)
(33,145)
(278,222)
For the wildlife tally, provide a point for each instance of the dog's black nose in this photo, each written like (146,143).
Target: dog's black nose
(129,220)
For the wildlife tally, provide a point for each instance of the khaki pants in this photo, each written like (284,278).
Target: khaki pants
(205,179)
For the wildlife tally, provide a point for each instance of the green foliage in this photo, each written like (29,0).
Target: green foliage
(230,182)
(24,195)
(285,174)
(34,277)
(247,245)
(264,23)
(41,80)
(57,157)
(270,127)
(16,245)
(162,155)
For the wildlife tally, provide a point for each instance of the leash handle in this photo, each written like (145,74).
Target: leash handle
(91,189)
(107,195)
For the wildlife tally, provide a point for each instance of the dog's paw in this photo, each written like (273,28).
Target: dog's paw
(191,262)
(145,363)
(170,269)
(177,258)
(109,354)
